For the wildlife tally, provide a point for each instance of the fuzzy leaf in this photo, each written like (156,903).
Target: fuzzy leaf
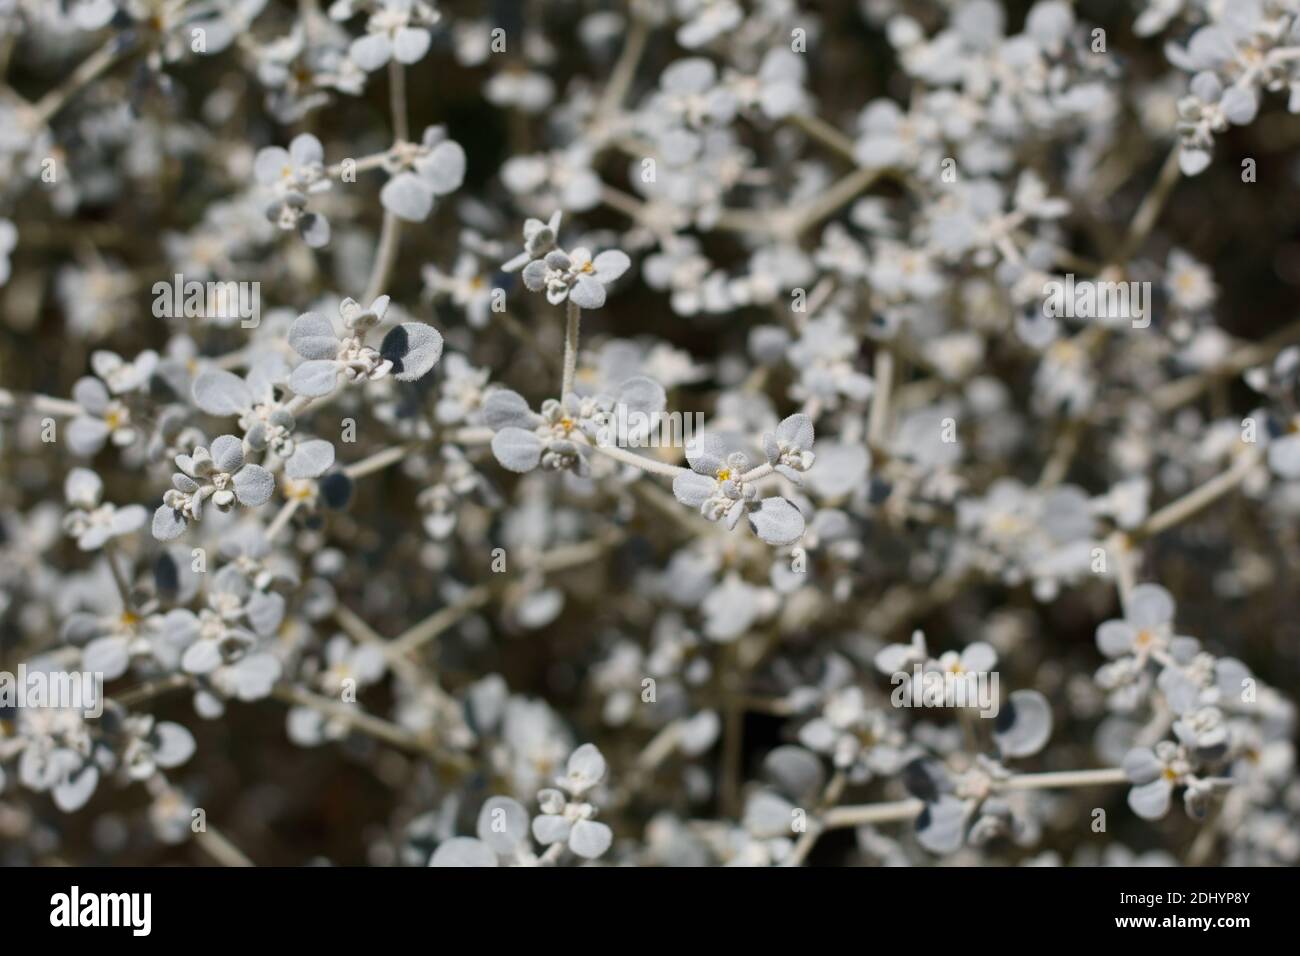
(310,459)
(413,348)
(777,521)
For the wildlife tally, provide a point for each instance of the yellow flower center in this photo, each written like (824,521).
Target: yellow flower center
(724,474)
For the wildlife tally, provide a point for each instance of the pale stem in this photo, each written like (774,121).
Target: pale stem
(210,839)
(1198,498)
(470,436)
(89,69)
(439,621)
(733,731)
(282,518)
(154,688)
(572,324)
(620,78)
(840,817)
(1145,217)
(820,295)
(385,257)
(627,204)
(110,555)
(219,847)
(1125,580)
(1063,450)
(397,99)
(883,372)
(373,161)
(1065,778)
(1173,394)
(808,839)
(842,192)
(379,460)
(298,404)
(663,745)
(356,718)
(40,404)
(825,133)
(651,465)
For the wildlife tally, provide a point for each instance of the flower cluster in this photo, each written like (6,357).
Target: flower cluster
(650,433)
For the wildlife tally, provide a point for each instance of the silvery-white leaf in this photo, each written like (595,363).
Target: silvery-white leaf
(408,197)
(173,744)
(463,851)
(1116,638)
(269,164)
(86,435)
(168,523)
(609,265)
(129,518)
(410,45)
(777,521)
(109,656)
(692,489)
(941,826)
(253,677)
(265,611)
(797,430)
(1284,456)
(795,771)
(589,839)
(413,348)
(534,275)
(83,488)
(503,824)
(706,453)
(1149,607)
(1023,724)
(314,229)
(74,792)
(227,453)
(768,815)
(1239,104)
(641,394)
(1150,801)
(699,733)
(370,52)
(550,828)
(201,657)
(310,459)
(1182,693)
(504,408)
(516,449)
(306,149)
(979,658)
(314,378)
(305,726)
(539,608)
(587,293)
(586,766)
(254,485)
(312,336)
(444,168)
